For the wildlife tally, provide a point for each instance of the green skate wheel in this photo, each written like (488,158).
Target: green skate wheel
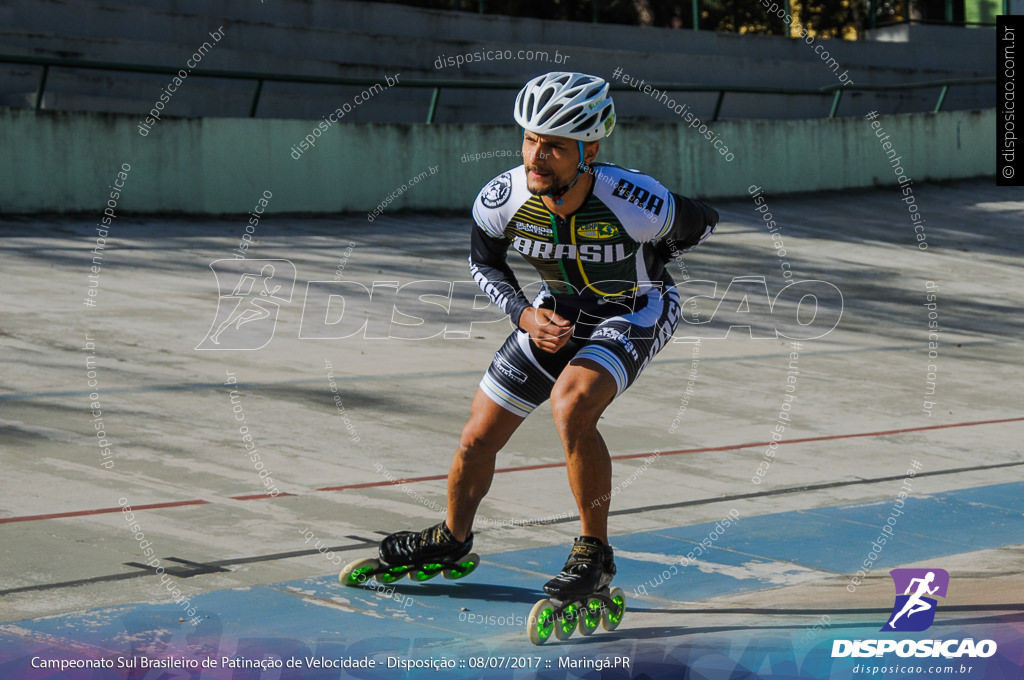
(358,572)
(391,575)
(590,616)
(541,622)
(611,619)
(426,572)
(465,567)
(565,623)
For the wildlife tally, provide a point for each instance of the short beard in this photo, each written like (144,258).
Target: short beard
(557,191)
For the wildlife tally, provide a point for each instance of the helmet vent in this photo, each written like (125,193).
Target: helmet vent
(588,123)
(565,119)
(543,100)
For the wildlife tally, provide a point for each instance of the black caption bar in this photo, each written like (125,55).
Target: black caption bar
(1009,153)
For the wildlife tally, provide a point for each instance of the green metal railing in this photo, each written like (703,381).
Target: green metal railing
(834,91)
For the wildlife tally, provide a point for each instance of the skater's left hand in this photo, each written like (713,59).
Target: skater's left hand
(548,329)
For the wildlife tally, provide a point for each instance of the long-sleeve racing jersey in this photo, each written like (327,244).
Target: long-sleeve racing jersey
(613,249)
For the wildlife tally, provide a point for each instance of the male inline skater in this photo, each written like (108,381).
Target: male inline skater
(599,236)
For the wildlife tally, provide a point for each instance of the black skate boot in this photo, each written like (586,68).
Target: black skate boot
(590,568)
(433,544)
(580,595)
(421,554)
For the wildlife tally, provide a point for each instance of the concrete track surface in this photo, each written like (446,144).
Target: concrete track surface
(737,557)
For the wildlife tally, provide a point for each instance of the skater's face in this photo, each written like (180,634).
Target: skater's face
(551,162)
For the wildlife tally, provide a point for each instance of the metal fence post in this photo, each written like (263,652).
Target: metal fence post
(835,104)
(433,104)
(255,98)
(39,88)
(718,105)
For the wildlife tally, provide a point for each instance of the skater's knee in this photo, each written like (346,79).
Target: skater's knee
(579,396)
(573,409)
(475,443)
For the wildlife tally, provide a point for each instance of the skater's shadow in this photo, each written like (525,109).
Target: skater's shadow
(472,591)
(668,631)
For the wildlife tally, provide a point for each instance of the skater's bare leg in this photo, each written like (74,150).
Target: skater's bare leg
(583,391)
(472,469)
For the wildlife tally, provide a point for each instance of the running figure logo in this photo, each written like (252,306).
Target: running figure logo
(250,296)
(913,611)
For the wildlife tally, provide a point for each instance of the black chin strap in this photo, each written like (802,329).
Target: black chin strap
(557,196)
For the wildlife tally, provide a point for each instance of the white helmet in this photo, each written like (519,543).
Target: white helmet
(564,104)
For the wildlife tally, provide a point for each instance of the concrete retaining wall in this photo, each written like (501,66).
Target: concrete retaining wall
(64,161)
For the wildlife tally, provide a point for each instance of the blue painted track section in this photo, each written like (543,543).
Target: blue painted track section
(476,627)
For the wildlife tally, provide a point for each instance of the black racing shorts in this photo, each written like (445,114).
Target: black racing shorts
(521,376)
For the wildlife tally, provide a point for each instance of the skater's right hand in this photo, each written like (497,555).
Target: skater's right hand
(548,330)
